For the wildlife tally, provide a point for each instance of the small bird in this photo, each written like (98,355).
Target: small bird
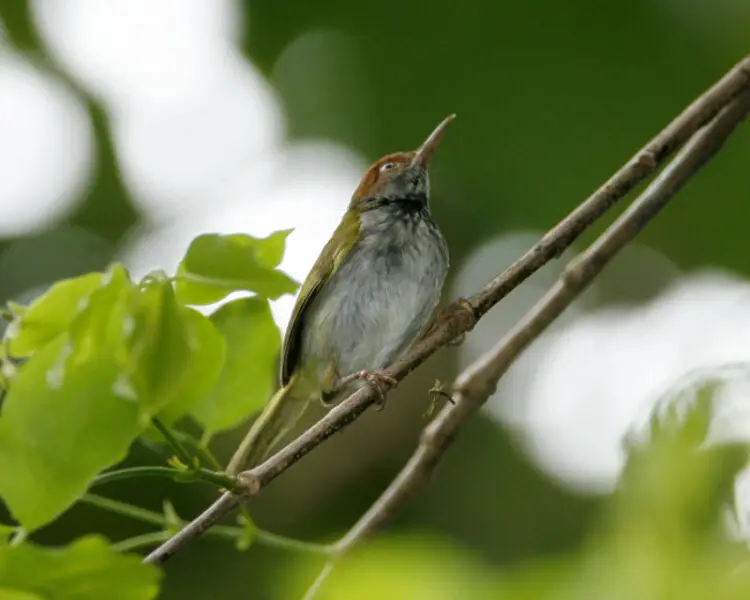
(371,293)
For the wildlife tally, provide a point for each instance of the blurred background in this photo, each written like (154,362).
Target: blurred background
(128,127)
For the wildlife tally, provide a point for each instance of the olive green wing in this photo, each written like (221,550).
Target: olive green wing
(331,258)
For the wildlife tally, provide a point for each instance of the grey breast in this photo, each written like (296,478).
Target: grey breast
(383,294)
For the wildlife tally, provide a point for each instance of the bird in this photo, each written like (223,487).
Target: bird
(372,292)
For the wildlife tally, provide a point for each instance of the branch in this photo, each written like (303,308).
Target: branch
(458,320)
(477,383)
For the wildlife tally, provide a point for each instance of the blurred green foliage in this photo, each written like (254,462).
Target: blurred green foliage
(116,354)
(86,569)
(662,534)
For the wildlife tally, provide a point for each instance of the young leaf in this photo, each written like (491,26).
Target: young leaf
(49,315)
(247,379)
(156,356)
(87,569)
(68,413)
(95,326)
(271,249)
(205,362)
(217,265)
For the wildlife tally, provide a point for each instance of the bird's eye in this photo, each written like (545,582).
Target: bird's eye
(387,166)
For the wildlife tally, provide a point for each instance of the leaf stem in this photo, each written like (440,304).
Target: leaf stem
(126,510)
(205,453)
(313,590)
(219,479)
(175,444)
(274,540)
(151,517)
(19,537)
(141,541)
(132,472)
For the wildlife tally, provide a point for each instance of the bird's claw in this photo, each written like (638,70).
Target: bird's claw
(380,383)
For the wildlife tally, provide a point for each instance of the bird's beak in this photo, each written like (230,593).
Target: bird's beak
(422,156)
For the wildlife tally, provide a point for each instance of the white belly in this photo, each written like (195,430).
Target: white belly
(378,302)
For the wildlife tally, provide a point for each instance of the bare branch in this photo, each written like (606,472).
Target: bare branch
(459,319)
(475,384)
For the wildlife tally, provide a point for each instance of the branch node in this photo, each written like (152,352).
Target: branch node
(648,160)
(461,317)
(248,484)
(574,272)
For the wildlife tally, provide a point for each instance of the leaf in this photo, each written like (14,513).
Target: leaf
(247,379)
(677,478)
(401,567)
(87,569)
(156,357)
(271,249)
(696,407)
(49,315)
(17,595)
(66,416)
(249,533)
(205,362)
(103,319)
(6,531)
(216,265)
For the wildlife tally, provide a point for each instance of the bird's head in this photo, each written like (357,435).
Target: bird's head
(401,176)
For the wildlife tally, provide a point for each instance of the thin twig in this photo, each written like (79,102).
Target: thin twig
(131,472)
(314,588)
(459,320)
(144,540)
(151,517)
(126,510)
(180,475)
(476,383)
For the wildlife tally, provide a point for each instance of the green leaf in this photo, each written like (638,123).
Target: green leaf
(249,533)
(104,319)
(206,360)
(677,479)
(248,377)
(271,249)
(87,569)
(6,531)
(217,265)
(156,357)
(67,415)
(401,567)
(49,315)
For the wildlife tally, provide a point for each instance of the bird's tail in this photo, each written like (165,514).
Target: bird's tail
(278,417)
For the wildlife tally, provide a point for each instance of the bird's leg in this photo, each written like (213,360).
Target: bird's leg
(330,387)
(377,380)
